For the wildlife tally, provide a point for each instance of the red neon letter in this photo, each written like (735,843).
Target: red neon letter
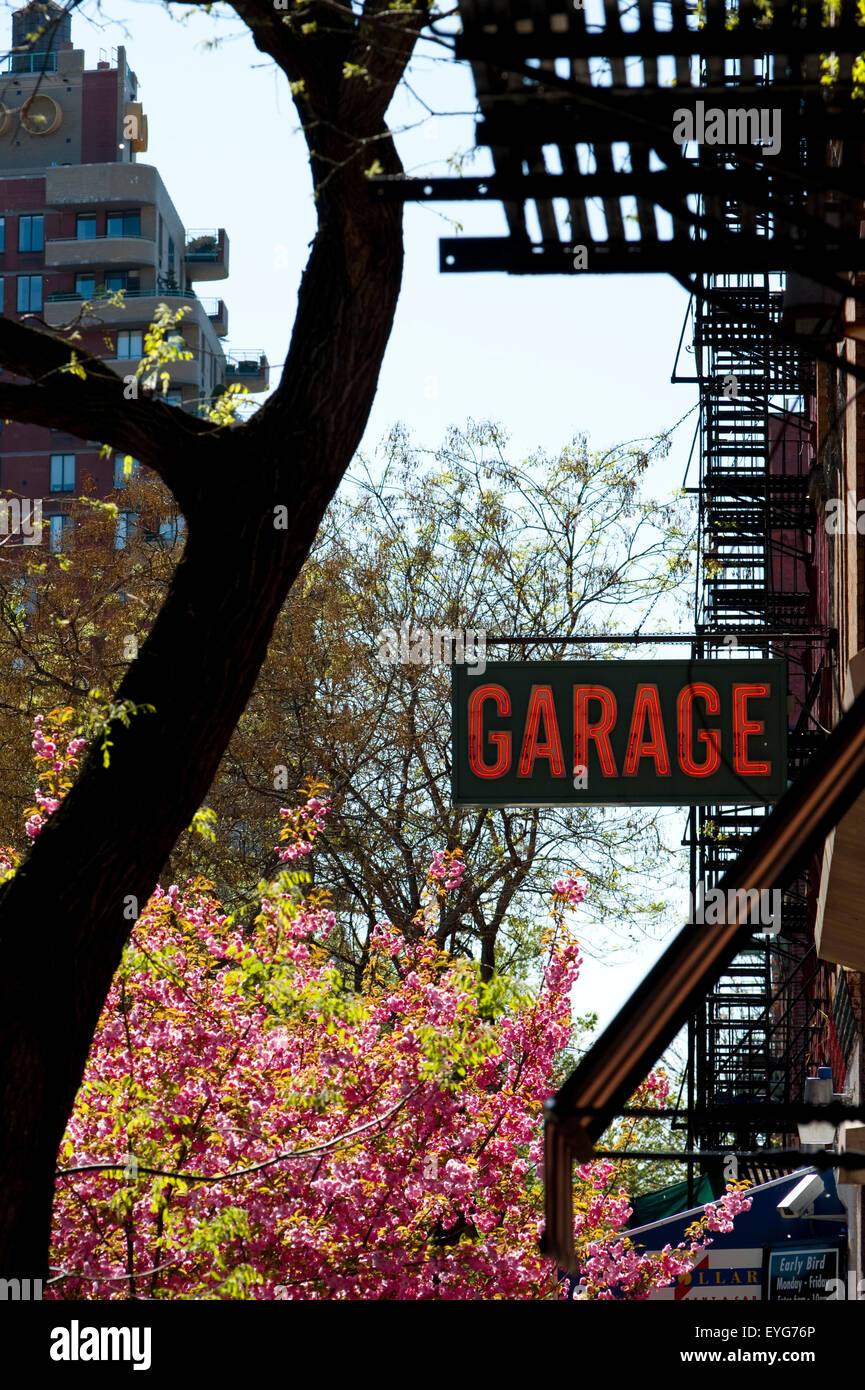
(711,737)
(501,741)
(599,731)
(646,702)
(743,727)
(541,702)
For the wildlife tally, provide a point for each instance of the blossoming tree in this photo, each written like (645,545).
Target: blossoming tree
(248,1128)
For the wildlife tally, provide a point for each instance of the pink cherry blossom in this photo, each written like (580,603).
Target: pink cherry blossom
(325,1143)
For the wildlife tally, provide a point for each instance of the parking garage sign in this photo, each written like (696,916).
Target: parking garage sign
(660,733)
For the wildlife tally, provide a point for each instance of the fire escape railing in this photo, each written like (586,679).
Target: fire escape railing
(754,1035)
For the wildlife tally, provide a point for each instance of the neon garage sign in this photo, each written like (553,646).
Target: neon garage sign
(665,733)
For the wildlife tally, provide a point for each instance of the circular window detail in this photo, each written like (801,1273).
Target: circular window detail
(40,115)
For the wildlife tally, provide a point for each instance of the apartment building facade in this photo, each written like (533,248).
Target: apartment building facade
(80,220)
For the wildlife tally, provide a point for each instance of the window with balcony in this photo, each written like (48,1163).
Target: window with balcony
(29,294)
(62,472)
(85,285)
(30,234)
(126,223)
(125,469)
(85,226)
(174,397)
(130,344)
(59,529)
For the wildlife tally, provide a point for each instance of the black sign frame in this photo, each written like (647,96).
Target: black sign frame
(808,1284)
(516,742)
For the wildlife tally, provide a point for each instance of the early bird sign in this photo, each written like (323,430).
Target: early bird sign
(633,733)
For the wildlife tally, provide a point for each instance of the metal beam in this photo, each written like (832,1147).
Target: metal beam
(507,47)
(735,252)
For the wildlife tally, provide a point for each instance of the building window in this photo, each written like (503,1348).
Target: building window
(2,233)
(122,280)
(171,253)
(59,528)
(121,476)
(29,294)
(173,397)
(123,223)
(124,529)
(85,285)
(62,472)
(130,344)
(85,226)
(30,233)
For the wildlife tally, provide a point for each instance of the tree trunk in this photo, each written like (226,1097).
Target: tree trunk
(64,917)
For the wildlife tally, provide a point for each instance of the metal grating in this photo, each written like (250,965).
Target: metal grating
(578,109)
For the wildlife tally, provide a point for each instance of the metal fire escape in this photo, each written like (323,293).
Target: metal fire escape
(577,116)
(754,1038)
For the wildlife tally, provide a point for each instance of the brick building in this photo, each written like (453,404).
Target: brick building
(80,218)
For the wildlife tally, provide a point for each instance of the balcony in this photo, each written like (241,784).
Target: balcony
(206,254)
(139,307)
(77,252)
(248,367)
(218,314)
(180,373)
(98,185)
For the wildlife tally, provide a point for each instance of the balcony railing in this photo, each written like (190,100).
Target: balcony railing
(103,236)
(202,244)
(29,62)
(250,363)
(217,313)
(60,296)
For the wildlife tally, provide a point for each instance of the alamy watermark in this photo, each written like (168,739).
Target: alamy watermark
(715,907)
(844,516)
(21,517)
(740,126)
(20,1290)
(77,1343)
(437,646)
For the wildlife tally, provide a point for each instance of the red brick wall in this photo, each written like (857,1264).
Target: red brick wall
(99,117)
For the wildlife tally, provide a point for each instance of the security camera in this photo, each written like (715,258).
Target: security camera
(802,1196)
